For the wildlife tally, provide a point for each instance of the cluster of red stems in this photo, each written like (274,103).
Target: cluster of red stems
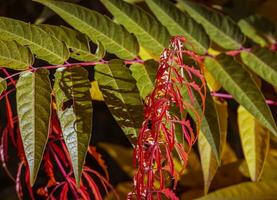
(156,176)
(165,110)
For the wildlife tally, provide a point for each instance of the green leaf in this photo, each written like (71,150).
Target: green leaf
(208,160)
(178,23)
(3,85)
(221,29)
(76,41)
(258,28)
(263,62)
(45,46)
(97,27)
(121,96)
(255,142)
(210,123)
(15,56)
(265,190)
(74,107)
(237,81)
(145,75)
(151,35)
(33,98)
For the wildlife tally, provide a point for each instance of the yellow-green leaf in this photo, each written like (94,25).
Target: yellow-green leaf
(74,108)
(15,56)
(263,62)
(145,75)
(33,98)
(221,29)
(237,81)
(178,23)
(151,34)
(265,190)
(121,96)
(43,45)
(258,28)
(77,42)
(122,155)
(208,160)
(95,92)
(97,27)
(255,142)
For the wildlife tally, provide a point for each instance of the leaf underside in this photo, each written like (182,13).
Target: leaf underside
(33,97)
(74,107)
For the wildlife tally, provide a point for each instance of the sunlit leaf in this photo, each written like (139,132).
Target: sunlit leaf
(121,96)
(255,142)
(178,23)
(221,29)
(151,35)
(265,190)
(74,108)
(97,27)
(33,98)
(43,45)
(3,85)
(145,75)
(263,62)
(15,56)
(237,81)
(77,42)
(213,84)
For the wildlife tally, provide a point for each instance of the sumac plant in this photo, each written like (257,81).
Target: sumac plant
(171,74)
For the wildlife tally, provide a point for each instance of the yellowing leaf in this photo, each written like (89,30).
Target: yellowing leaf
(255,142)
(95,92)
(265,190)
(208,160)
(122,155)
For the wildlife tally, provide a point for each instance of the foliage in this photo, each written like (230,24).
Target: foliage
(161,103)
